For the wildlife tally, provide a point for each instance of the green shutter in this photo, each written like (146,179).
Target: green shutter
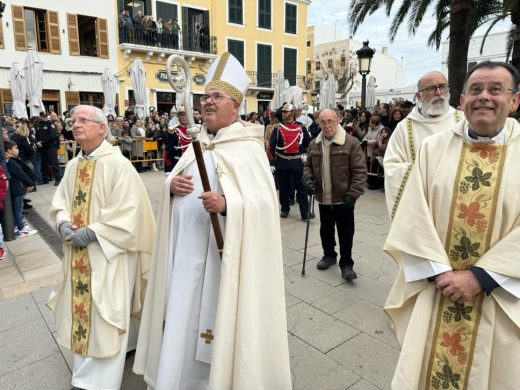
(289,65)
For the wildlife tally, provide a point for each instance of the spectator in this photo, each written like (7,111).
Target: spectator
(363,124)
(396,116)
(3,190)
(19,183)
(138,134)
(335,171)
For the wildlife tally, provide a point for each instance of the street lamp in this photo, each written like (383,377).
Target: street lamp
(364,55)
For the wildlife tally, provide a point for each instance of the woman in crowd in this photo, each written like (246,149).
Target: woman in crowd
(362,125)
(396,116)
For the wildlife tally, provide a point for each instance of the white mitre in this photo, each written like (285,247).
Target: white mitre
(228,75)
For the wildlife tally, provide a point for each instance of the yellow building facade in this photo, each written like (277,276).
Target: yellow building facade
(265,35)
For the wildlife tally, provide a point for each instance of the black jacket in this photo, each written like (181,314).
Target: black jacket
(46,134)
(19,179)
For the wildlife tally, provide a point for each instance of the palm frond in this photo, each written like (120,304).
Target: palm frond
(398,18)
(491,25)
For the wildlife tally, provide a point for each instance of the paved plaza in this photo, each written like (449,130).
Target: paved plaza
(339,337)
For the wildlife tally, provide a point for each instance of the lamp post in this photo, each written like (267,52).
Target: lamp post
(364,55)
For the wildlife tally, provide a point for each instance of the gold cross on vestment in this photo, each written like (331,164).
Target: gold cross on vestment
(208,336)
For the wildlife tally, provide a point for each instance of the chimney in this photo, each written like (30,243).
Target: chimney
(385,50)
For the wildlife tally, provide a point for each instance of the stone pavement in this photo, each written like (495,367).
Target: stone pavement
(339,337)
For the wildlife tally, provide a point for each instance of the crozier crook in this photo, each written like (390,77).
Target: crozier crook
(183,85)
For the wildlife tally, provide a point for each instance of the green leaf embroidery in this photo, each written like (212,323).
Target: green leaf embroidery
(461,311)
(467,248)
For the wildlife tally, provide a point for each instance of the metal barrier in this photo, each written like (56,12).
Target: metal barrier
(139,151)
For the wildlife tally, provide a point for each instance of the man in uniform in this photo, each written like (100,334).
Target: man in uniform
(47,143)
(455,303)
(336,171)
(431,115)
(212,322)
(176,141)
(288,142)
(102,212)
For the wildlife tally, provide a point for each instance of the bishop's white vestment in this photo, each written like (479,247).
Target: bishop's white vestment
(224,320)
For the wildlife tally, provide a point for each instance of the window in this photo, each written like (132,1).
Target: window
(289,65)
(329,63)
(166,11)
(318,65)
(263,66)
(290,18)
(235,11)
(237,49)
(264,14)
(343,60)
(308,67)
(36,28)
(88,36)
(471,65)
(308,43)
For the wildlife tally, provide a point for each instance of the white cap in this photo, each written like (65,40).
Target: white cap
(228,75)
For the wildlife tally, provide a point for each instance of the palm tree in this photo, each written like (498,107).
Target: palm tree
(509,9)
(461,17)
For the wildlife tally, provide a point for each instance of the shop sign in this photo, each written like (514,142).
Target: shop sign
(265,95)
(199,79)
(162,76)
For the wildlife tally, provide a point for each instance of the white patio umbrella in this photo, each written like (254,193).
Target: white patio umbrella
(324,86)
(34,82)
(138,77)
(371,92)
(109,85)
(280,86)
(331,91)
(18,90)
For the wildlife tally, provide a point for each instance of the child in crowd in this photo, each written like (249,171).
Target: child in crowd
(3,189)
(20,183)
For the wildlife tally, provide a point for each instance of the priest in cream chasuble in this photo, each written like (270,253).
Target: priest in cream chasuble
(455,303)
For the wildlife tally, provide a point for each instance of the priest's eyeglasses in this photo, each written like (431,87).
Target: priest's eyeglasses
(443,88)
(215,98)
(83,121)
(493,90)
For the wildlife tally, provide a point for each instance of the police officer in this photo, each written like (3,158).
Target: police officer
(47,143)
(288,142)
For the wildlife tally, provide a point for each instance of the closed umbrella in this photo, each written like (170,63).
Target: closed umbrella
(18,90)
(109,85)
(138,77)
(331,91)
(371,92)
(324,87)
(34,82)
(280,86)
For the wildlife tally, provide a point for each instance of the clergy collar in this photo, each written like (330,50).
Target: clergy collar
(470,135)
(92,154)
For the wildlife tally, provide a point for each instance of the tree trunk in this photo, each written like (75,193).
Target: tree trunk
(515,55)
(458,50)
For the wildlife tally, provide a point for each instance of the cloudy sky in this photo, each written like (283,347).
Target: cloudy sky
(418,57)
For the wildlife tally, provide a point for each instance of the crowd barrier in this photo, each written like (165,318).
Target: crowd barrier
(139,151)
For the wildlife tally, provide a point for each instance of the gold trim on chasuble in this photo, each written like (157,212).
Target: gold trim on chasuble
(80,262)
(469,233)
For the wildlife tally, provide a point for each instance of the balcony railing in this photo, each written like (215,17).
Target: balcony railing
(169,40)
(267,80)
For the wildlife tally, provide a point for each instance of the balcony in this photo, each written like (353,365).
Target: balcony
(265,81)
(151,42)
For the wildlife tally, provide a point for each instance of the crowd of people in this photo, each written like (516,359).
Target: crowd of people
(455,242)
(146,30)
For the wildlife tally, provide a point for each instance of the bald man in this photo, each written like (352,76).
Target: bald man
(432,114)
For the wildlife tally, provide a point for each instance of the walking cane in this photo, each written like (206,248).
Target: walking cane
(183,85)
(311,202)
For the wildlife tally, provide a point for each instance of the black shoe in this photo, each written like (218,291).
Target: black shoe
(27,206)
(312,215)
(326,262)
(43,181)
(291,202)
(25,200)
(284,214)
(57,183)
(348,273)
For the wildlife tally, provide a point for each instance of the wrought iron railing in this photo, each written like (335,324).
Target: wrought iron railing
(267,80)
(169,40)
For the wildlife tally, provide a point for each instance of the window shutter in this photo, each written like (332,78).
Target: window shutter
(71,99)
(1,34)
(54,32)
(102,38)
(72,27)
(20,39)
